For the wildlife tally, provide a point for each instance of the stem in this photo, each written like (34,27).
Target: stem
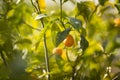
(31,26)
(61,10)
(73,73)
(74,67)
(46,57)
(61,16)
(45,45)
(34,5)
(46,52)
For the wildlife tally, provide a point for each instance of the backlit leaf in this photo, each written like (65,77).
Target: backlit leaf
(40,16)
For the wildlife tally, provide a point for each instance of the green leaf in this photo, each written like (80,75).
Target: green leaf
(59,61)
(118,7)
(42,33)
(10,13)
(83,32)
(85,8)
(40,16)
(22,41)
(102,2)
(3,58)
(55,28)
(61,36)
(77,24)
(84,43)
(65,1)
(41,36)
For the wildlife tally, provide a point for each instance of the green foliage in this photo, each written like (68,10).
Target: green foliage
(85,9)
(118,7)
(102,2)
(26,37)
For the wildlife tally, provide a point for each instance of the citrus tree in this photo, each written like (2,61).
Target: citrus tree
(38,42)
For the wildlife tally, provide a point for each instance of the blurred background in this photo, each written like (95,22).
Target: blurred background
(22,48)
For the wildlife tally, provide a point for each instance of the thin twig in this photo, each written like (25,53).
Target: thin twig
(31,27)
(61,15)
(39,9)
(73,73)
(34,5)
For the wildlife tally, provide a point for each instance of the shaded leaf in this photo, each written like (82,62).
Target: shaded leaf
(3,26)
(84,43)
(54,30)
(102,2)
(118,7)
(59,61)
(77,24)
(83,32)
(110,58)
(61,36)
(85,8)
(65,1)
(110,46)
